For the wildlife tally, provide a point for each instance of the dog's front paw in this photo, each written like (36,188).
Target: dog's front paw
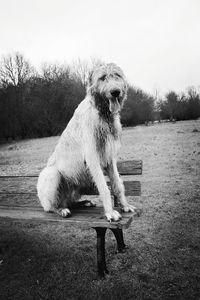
(113,216)
(131,208)
(65,212)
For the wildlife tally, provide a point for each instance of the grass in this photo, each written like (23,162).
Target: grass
(50,261)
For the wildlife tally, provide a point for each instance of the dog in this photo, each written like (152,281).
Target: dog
(89,144)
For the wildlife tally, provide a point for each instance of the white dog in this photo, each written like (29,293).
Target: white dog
(88,145)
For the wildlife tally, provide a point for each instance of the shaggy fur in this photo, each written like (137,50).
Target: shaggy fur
(89,144)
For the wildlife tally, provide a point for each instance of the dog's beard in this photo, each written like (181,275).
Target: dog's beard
(107,107)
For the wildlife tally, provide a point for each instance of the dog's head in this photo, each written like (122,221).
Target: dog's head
(108,87)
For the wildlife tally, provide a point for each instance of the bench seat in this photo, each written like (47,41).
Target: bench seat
(83,217)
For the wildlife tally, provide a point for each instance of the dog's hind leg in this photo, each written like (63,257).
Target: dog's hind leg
(63,212)
(83,203)
(48,191)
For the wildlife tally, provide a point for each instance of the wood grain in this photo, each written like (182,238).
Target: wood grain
(130,167)
(27,185)
(89,217)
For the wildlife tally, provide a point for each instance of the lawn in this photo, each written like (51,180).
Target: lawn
(50,261)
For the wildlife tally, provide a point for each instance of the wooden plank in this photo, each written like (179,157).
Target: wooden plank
(15,184)
(132,188)
(130,167)
(125,167)
(90,217)
(22,199)
(27,185)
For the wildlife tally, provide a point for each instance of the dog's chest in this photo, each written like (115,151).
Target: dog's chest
(107,137)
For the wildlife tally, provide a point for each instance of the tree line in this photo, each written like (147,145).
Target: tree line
(185,106)
(38,104)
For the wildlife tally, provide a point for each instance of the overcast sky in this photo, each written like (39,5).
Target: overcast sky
(156,42)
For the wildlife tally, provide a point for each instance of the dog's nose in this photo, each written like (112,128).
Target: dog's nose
(115,93)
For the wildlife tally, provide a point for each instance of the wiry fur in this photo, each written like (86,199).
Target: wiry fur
(89,143)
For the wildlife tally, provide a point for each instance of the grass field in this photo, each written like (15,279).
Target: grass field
(50,261)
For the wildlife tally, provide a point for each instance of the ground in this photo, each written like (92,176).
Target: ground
(49,261)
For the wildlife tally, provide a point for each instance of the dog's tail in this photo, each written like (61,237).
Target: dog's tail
(48,187)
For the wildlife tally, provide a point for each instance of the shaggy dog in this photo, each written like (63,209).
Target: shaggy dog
(88,145)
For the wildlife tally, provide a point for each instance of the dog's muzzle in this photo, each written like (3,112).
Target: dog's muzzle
(115,93)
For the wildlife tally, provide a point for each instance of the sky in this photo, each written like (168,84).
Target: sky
(155,42)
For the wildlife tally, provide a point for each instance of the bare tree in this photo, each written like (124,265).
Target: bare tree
(14,70)
(80,69)
(54,71)
(192,92)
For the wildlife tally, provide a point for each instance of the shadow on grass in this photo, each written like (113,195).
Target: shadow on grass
(36,264)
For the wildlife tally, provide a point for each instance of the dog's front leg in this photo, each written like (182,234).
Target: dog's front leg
(99,179)
(118,187)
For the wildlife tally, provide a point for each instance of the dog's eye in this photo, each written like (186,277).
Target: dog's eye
(103,77)
(118,75)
